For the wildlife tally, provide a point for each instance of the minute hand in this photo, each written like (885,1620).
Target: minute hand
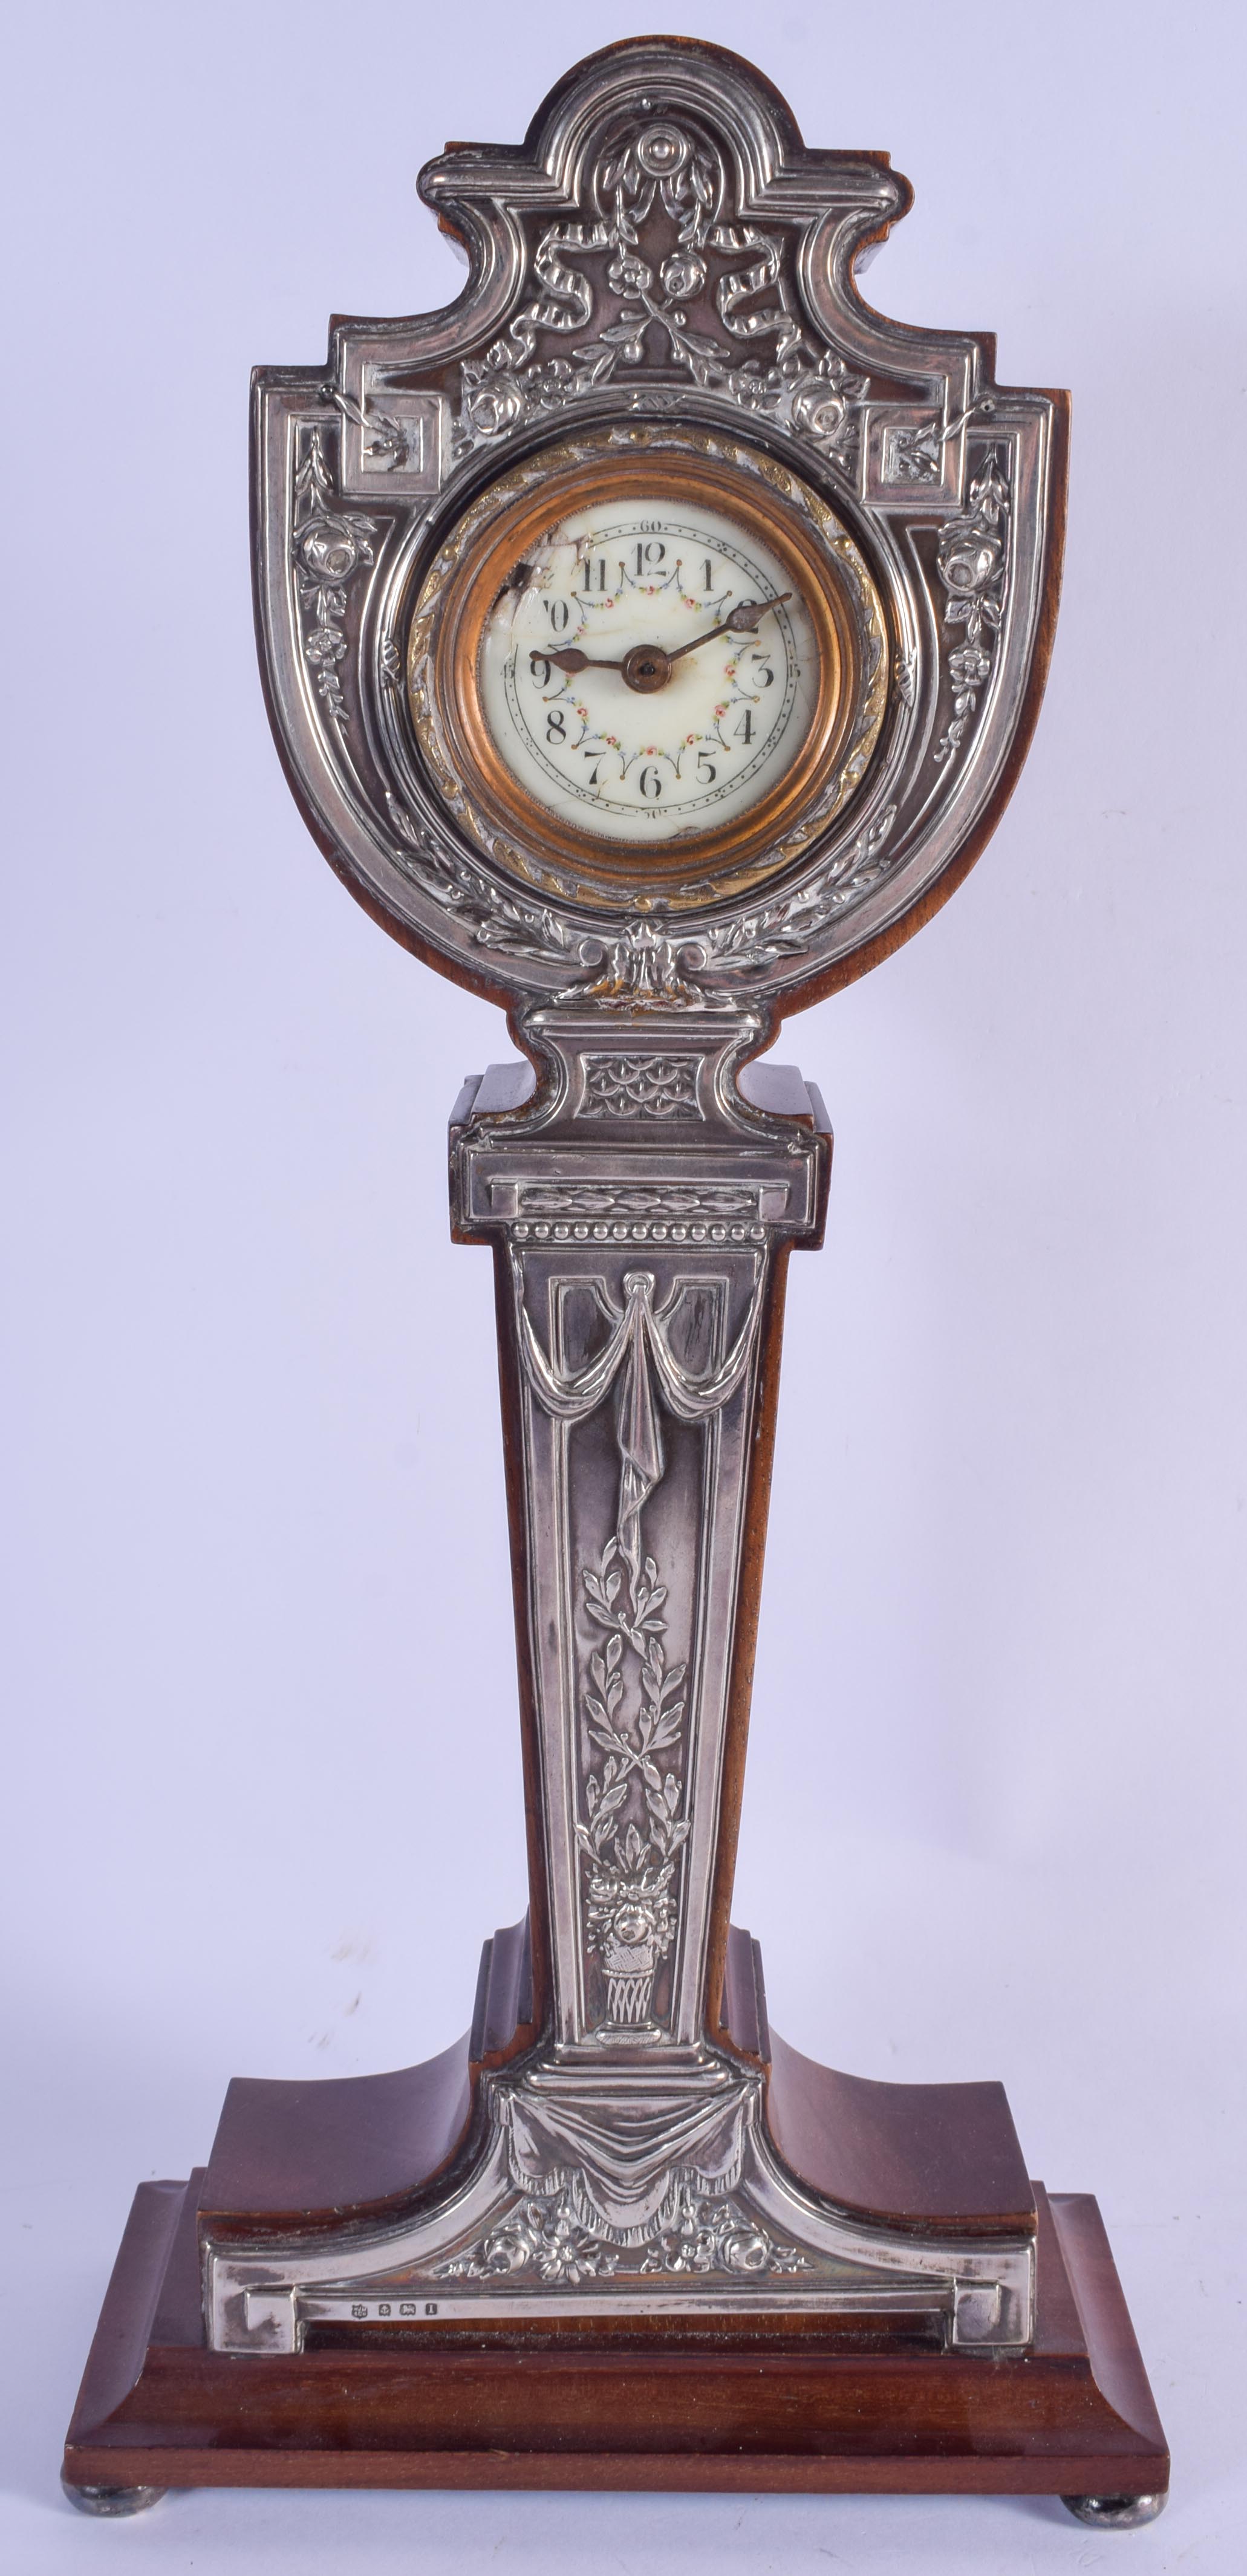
(742,620)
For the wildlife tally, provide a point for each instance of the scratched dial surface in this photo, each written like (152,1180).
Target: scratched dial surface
(696,726)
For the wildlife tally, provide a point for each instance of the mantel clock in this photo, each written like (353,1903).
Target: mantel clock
(652,640)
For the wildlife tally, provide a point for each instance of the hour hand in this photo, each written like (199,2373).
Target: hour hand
(570,658)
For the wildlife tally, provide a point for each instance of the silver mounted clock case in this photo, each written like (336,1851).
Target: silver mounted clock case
(652,639)
(662,289)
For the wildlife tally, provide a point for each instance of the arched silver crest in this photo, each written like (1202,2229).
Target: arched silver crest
(662,249)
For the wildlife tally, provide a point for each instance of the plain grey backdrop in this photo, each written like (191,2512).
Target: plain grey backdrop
(261,1771)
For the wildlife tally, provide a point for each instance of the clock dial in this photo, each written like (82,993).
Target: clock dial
(648,670)
(646,665)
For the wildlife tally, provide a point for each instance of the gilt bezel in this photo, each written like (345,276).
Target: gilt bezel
(689,464)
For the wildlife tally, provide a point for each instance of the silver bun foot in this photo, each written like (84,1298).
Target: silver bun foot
(1116,2513)
(112,2500)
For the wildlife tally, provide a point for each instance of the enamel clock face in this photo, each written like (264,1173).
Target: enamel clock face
(647,661)
(649,672)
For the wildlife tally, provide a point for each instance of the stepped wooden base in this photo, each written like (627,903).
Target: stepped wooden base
(837,2407)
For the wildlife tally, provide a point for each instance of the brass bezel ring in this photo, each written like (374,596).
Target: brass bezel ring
(821,560)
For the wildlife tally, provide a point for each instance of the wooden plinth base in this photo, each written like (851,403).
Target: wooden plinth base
(843,2407)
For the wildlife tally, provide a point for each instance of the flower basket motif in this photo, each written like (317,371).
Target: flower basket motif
(630,1911)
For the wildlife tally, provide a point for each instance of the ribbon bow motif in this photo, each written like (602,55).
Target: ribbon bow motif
(639,1350)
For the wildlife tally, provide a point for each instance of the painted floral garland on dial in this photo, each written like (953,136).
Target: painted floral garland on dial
(647,673)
